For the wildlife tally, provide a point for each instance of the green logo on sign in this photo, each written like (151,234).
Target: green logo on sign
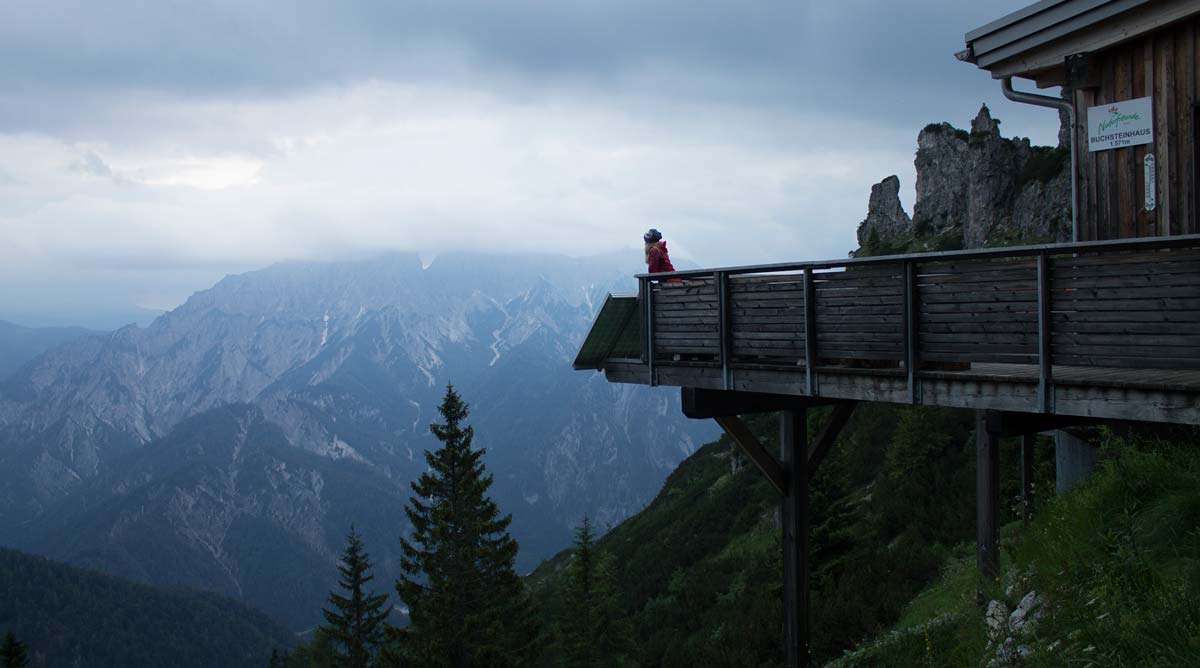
(1117,118)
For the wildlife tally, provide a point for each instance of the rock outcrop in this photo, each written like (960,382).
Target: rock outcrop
(886,218)
(974,189)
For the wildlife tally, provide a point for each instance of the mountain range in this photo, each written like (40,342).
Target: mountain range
(231,443)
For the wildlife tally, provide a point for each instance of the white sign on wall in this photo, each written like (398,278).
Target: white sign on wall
(1119,124)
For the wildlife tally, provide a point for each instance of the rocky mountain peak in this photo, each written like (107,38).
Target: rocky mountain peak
(974,189)
(984,124)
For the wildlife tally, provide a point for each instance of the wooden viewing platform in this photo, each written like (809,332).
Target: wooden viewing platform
(1103,329)
(1033,338)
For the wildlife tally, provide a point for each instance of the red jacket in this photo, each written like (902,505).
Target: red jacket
(657,261)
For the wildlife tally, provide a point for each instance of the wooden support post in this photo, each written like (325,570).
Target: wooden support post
(1027,443)
(810,334)
(650,332)
(723,328)
(1045,361)
(793,431)
(912,355)
(987,494)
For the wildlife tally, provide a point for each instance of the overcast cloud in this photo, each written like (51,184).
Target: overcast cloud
(148,148)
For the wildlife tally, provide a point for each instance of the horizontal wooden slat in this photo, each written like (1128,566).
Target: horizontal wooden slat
(976,338)
(834,302)
(950,281)
(1132,331)
(968,348)
(754,288)
(1127,362)
(952,316)
(1016,285)
(1132,281)
(686,336)
(891,337)
(1110,259)
(752,298)
(666,326)
(1174,352)
(1165,267)
(1134,342)
(996,358)
(824,293)
(966,328)
(1182,317)
(871,327)
(978,297)
(769,343)
(686,306)
(996,307)
(827,356)
(781,336)
(683,298)
(1144,304)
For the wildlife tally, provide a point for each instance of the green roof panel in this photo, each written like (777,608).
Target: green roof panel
(615,333)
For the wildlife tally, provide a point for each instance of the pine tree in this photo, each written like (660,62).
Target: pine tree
(356,624)
(467,607)
(13,652)
(593,631)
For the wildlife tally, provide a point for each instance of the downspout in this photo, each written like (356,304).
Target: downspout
(1061,105)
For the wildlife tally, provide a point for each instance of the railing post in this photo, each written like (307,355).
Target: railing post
(911,317)
(650,330)
(1045,391)
(810,334)
(720,279)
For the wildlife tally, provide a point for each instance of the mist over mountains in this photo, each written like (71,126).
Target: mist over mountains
(230,444)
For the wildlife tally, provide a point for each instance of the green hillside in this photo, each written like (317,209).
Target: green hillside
(68,616)
(1109,574)
(893,574)
(700,567)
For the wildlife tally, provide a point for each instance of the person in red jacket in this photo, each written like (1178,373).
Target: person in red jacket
(657,259)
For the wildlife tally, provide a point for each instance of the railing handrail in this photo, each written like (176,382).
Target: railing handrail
(1143,243)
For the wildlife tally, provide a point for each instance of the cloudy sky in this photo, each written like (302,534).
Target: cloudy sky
(147,148)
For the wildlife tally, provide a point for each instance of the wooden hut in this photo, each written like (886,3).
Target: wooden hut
(1128,70)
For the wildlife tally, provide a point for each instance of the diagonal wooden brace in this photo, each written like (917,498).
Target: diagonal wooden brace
(740,434)
(770,467)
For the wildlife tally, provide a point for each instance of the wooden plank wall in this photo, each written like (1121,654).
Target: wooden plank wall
(1111,183)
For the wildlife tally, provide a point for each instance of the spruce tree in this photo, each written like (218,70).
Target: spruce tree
(13,652)
(593,632)
(356,624)
(467,607)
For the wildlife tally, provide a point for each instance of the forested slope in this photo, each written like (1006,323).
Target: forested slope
(69,616)
(699,570)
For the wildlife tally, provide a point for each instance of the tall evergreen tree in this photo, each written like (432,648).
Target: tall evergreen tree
(356,624)
(593,632)
(467,607)
(13,653)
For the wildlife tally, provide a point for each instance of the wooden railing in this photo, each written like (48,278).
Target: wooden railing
(1123,304)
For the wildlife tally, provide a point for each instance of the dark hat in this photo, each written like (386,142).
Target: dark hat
(652,235)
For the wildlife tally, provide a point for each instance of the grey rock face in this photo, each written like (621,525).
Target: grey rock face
(886,218)
(943,163)
(980,186)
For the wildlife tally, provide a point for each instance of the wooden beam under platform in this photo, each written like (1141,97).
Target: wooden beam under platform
(700,403)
